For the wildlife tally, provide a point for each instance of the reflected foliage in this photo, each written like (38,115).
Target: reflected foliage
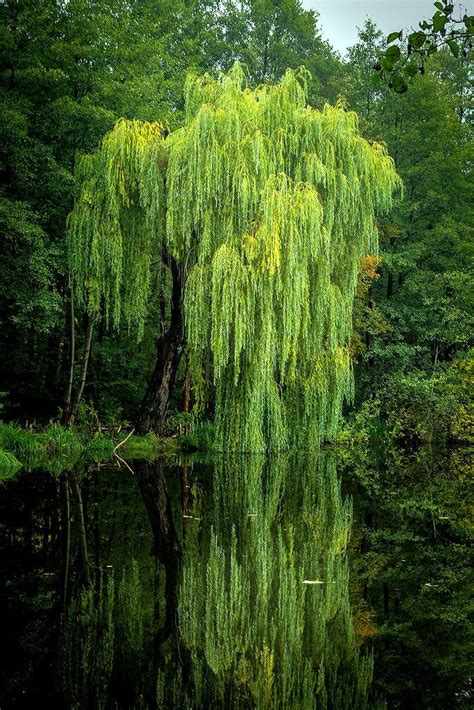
(105,643)
(264,602)
(261,585)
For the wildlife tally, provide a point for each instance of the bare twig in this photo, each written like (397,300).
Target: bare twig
(123,442)
(120,459)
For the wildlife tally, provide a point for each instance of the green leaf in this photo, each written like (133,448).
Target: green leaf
(400,86)
(393,36)
(411,69)
(439,21)
(438,5)
(468,21)
(386,64)
(454,47)
(393,53)
(417,39)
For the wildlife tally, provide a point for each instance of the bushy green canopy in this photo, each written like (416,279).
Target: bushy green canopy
(269,204)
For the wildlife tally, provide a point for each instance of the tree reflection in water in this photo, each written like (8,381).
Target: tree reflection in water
(264,598)
(256,606)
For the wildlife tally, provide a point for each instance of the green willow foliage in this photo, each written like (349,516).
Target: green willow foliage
(9,465)
(264,601)
(114,231)
(106,640)
(87,648)
(269,205)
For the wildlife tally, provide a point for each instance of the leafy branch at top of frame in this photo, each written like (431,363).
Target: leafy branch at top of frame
(402,61)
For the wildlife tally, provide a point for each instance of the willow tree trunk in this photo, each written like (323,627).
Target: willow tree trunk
(169,347)
(166,545)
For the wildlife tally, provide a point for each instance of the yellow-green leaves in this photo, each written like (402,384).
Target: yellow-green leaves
(269,205)
(115,229)
(276,202)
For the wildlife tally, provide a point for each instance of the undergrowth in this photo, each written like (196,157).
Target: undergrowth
(56,448)
(9,465)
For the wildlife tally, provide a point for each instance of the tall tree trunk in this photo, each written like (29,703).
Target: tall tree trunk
(169,346)
(166,546)
(87,581)
(76,400)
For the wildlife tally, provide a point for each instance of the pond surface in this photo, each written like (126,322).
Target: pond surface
(327,581)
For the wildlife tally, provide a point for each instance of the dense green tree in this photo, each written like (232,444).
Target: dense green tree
(362,94)
(262,209)
(420,313)
(270,36)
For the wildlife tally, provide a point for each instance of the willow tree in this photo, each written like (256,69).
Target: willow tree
(262,207)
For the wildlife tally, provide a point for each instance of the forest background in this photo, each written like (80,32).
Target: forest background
(69,71)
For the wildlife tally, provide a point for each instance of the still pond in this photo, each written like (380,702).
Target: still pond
(329,581)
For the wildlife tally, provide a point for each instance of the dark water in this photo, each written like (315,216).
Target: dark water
(333,581)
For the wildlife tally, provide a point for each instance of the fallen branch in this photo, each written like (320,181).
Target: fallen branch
(120,459)
(123,442)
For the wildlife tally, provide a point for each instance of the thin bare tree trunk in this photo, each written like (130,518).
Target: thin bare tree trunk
(67,550)
(84,366)
(82,532)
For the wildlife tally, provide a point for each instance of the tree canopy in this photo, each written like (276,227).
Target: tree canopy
(269,205)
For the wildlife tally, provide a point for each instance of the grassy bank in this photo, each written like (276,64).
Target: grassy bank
(56,448)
